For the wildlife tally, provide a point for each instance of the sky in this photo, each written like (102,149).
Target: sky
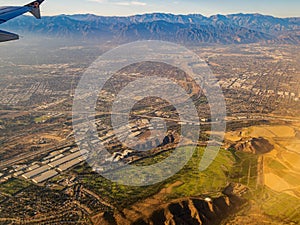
(278,8)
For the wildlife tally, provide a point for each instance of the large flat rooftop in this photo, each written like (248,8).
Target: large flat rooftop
(35,172)
(44,176)
(67,158)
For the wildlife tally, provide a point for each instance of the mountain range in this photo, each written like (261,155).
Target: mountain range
(193,28)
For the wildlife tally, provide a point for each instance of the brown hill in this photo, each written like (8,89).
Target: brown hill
(184,211)
(254,145)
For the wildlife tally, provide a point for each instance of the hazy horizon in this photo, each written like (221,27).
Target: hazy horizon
(176,14)
(277,8)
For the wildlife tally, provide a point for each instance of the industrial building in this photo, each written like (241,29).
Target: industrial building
(36,172)
(67,158)
(68,165)
(44,176)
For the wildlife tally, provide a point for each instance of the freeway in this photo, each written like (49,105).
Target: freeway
(27,156)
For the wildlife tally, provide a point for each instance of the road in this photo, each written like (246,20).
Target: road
(26,156)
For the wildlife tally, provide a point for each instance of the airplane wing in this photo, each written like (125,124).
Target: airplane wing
(6,36)
(10,12)
(35,8)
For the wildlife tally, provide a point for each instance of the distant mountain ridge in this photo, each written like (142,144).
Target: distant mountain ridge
(193,28)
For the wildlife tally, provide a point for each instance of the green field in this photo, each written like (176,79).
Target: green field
(224,169)
(42,119)
(283,206)
(118,195)
(229,166)
(13,186)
